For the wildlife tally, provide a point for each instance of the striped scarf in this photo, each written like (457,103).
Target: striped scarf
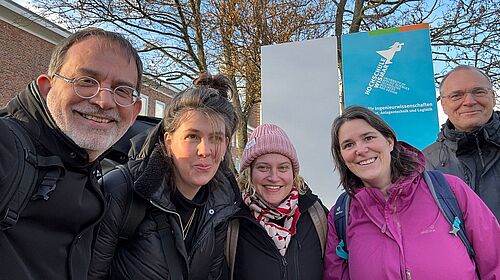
(265,215)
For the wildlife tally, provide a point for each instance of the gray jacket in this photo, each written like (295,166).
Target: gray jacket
(474,157)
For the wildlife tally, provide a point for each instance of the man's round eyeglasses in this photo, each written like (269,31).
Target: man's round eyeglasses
(460,95)
(87,87)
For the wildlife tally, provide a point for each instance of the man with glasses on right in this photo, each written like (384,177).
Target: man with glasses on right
(468,145)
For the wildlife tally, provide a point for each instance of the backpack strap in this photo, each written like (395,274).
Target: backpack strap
(55,171)
(442,193)
(118,180)
(26,178)
(231,244)
(448,205)
(340,219)
(320,222)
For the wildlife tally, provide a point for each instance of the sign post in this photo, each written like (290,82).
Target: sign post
(390,72)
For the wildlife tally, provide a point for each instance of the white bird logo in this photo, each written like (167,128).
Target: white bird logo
(389,54)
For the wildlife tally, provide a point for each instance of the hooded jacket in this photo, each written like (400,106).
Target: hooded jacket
(407,236)
(142,256)
(473,156)
(52,238)
(257,257)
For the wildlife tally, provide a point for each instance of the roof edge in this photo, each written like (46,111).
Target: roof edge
(31,22)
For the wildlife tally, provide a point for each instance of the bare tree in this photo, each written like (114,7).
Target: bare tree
(179,39)
(245,26)
(462,32)
(167,33)
(468,32)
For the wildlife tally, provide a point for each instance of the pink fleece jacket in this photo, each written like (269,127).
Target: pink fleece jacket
(406,237)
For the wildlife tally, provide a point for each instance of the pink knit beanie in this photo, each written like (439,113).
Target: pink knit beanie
(268,139)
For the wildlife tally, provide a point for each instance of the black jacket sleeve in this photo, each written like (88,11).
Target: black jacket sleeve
(109,229)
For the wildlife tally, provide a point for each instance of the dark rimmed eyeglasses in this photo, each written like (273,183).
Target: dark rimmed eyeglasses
(87,87)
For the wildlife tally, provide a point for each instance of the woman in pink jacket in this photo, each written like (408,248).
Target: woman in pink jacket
(395,229)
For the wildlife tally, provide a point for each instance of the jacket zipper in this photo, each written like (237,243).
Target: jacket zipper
(296,273)
(396,206)
(398,224)
(198,240)
(101,196)
(480,152)
(483,164)
(168,211)
(284,263)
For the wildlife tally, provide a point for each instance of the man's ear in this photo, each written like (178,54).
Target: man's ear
(137,109)
(443,105)
(44,85)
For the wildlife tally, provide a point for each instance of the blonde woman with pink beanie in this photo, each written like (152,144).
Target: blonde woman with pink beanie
(273,236)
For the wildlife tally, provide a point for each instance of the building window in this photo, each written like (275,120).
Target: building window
(159,109)
(144,108)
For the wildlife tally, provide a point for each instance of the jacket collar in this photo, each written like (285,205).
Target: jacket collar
(490,132)
(31,109)
(152,178)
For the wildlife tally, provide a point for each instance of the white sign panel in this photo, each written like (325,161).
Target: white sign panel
(300,94)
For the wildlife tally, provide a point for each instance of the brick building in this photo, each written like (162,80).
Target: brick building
(26,43)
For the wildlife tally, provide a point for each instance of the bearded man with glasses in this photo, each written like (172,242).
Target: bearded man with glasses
(73,114)
(468,144)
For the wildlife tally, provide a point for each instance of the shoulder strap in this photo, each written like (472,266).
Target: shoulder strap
(340,219)
(135,207)
(231,244)
(320,222)
(55,170)
(25,181)
(448,205)
(17,196)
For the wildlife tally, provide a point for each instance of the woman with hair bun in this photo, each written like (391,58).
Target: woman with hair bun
(179,172)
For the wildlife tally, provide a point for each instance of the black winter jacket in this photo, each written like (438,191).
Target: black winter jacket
(257,258)
(53,238)
(142,257)
(474,157)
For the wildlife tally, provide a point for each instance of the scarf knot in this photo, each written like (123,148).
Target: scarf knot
(266,216)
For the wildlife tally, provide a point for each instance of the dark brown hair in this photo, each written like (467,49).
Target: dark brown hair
(402,163)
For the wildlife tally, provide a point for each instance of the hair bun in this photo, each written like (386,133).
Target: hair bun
(218,82)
